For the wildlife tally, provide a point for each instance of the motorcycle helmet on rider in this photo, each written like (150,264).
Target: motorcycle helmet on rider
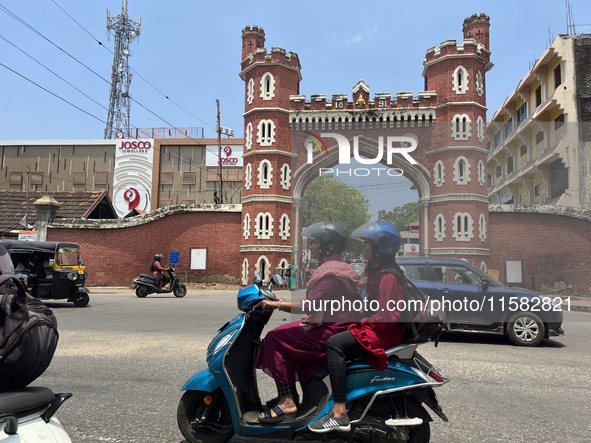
(158,257)
(384,239)
(332,236)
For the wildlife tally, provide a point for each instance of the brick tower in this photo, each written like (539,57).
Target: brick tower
(270,79)
(458,208)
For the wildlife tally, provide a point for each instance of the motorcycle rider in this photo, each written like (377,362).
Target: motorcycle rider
(378,331)
(157,271)
(296,350)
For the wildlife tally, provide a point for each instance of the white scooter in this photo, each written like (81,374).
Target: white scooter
(26,416)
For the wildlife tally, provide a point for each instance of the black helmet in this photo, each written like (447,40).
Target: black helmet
(332,236)
(157,257)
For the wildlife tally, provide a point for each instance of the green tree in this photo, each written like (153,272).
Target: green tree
(401,216)
(329,199)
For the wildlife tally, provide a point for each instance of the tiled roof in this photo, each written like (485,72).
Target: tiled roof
(72,205)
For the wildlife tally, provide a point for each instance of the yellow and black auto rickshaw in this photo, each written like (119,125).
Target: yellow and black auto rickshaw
(50,270)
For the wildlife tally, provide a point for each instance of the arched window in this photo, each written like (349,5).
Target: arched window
(479,84)
(266,133)
(462,171)
(250,91)
(461,128)
(284,227)
(482,228)
(264,226)
(248,177)
(439,227)
(439,174)
(267,86)
(265,175)
(248,136)
(481,173)
(285,176)
(463,229)
(460,80)
(246,227)
(245,279)
(480,129)
(263,268)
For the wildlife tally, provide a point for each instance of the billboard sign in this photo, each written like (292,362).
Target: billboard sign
(231,155)
(132,178)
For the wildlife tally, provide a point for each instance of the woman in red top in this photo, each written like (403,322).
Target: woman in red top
(296,350)
(380,329)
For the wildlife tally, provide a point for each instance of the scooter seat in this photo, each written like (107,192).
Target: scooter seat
(148,277)
(25,399)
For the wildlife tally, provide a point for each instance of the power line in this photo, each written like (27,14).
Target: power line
(102,78)
(55,95)
(189,161)
(57,75)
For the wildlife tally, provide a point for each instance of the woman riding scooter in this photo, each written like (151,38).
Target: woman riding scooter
(157,271)
(298,347)
(378,331)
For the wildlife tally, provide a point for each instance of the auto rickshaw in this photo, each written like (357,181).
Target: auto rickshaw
(50,270)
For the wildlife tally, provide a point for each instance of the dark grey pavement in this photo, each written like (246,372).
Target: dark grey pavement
(125,359)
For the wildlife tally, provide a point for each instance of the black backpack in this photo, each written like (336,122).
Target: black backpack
(424,324)
(28,335)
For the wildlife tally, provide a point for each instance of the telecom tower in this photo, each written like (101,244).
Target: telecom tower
(125,31)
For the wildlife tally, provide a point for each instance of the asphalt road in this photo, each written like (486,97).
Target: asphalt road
(125,360)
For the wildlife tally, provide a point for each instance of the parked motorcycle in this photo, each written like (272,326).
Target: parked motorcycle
(27,416)
(384,406)
(146,284)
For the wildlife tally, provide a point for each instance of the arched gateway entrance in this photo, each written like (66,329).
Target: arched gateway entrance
(289,139)
(368,148)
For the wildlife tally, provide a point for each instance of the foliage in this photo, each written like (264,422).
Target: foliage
(401,216)
(329,199)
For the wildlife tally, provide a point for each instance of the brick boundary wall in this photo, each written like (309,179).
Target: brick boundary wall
(555,238)
(116,251)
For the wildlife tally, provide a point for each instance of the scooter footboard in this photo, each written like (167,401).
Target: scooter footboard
(202,381)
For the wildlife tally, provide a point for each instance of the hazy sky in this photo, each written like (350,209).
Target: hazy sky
(190,52)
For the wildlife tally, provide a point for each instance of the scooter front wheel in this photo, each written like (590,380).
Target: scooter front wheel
(204,417)
(141,292)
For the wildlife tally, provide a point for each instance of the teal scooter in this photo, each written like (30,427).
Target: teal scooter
(384,406)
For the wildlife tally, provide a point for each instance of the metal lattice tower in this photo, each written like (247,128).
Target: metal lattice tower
(125,31)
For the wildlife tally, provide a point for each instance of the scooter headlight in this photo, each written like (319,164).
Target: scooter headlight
(223,342)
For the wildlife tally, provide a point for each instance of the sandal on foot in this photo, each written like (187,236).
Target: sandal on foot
(266,416)
(274,401)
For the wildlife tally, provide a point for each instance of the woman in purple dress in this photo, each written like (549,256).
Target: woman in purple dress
(297,350)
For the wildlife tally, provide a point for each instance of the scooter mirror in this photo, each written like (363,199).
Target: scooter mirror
(277,279)
(257,279)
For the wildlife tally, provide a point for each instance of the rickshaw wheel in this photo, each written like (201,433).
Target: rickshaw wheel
(141,292)
(82,300)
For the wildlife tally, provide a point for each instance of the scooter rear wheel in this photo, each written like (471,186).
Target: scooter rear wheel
(422,433)
(141,292)
(180,292)
(201,422)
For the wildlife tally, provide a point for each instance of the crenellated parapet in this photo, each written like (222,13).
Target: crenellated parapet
(278,56)
(361,100)
(450,48)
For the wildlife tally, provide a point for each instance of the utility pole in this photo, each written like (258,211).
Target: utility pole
(125,31)
(27,204)
(220,152)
